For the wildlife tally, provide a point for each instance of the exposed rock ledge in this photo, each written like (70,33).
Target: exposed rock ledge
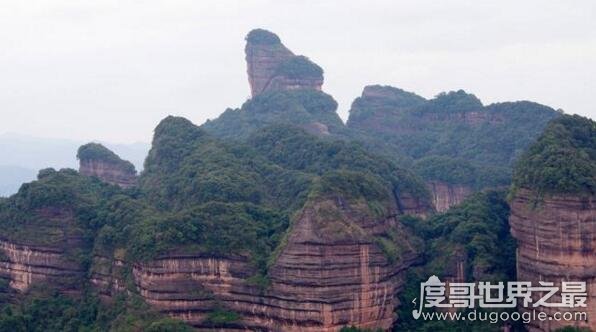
(24,265)
(329,274)
(97,160)
(446,195)
(271,66)
(318,283)
(556,241)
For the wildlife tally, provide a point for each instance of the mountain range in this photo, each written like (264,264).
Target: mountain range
(277,216)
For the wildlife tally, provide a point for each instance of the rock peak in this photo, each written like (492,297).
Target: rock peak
(263,37)
(273,67)
(97,160)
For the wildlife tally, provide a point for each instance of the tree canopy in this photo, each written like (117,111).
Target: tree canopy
(562,160)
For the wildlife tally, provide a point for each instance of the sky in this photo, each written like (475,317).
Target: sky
(110,70)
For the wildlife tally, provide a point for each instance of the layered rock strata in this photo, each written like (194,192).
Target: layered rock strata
(556,242)
(271,66)
(108,172)
(46,254)
(320,281)
(24,265)
(445,195)
(96,160)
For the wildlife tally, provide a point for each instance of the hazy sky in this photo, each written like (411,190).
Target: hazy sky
(111,69)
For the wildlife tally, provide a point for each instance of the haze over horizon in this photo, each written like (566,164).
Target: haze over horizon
(111,70)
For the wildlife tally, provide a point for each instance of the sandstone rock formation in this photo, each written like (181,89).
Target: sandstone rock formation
(556,242)
(271,66)
(24,265)
(328,275)
(445,195)
(97,160)
(45,255)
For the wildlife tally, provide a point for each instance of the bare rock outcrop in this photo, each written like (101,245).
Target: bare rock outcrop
(329,274)
(445,195)
(556,242)
(271,66)
(97,160)
(48,257)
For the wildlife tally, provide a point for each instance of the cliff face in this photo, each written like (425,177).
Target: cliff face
(97,160)
(108,172)
(271,66)
(107,275)
(445,195)
(28,261)
(24,265)
(556,241)
(323,279)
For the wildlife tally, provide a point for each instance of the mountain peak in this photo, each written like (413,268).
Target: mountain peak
(97,160)
(273,67)
(263,37)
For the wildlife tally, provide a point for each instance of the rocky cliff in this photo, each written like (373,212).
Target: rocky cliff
(46,231)
(331,273)
(556,241)
(553,214)
(24,265)
(44,252)
(445,195)
(97,160)
(271,66)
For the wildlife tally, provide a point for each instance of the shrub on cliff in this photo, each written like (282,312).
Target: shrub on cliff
(298,67)
(295,107)
(453,102)
(263,37)
(562,160)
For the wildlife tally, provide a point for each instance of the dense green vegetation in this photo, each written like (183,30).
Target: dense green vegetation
(202,195)
(475,233)
(299,67)
(263,37)
(29,216)
(446,169)
(293,148)
(212,184)
(452,102)
(390,96)
(234,187)
(98,152)
(46,310)
(454,130)
(296,107)
(562,160)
